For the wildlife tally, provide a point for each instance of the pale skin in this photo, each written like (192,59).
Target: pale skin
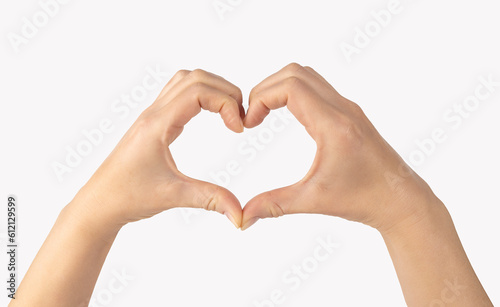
(355,175)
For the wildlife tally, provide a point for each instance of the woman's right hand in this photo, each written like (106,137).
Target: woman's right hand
(351,173)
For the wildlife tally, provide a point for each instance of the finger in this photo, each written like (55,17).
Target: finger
(201,76)
(319,77)
(302,101)
(173,81)
(173,116)
(306,74)
(331,95)
(283,73)
(276,203)
(208,196)
(293,79)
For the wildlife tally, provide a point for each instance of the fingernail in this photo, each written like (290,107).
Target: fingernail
(242,127)
(231,218)
(250,223)
(244,121)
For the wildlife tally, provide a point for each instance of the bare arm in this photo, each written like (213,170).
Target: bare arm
(138,180)
(66,268)
(352,177)
(431,263)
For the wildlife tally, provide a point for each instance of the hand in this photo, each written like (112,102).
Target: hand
(349,175)
(140,179)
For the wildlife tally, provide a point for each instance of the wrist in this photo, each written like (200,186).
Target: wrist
(92,217)
(410,204)
(424,213)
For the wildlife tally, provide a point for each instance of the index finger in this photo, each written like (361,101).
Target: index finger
(173,116)
(302,101)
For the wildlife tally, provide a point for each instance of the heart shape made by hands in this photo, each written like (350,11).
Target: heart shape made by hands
(352,162)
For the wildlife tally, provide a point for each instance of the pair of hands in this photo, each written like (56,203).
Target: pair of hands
(348,177)
(355,175)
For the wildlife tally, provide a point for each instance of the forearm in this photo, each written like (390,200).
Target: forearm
(431,264)
(66,268)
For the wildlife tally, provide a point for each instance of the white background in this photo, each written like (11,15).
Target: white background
(67,77)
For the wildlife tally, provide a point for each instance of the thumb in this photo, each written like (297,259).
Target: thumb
(208,196)
(275,203)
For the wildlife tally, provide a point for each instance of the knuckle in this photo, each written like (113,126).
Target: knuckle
(198,74)
(293,83)
(252,95)
(181,73)
(228,105)
(349,133)
(144,123)
(308,68)
(239,95)
(143,127)
(228,100)
(275,210)
(356,109)
(294,67)
(210,204)
(197,87)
